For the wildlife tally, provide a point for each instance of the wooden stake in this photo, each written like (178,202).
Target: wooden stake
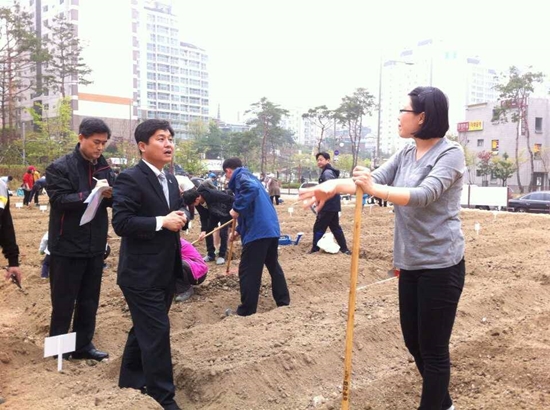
(230,247)
(351,304)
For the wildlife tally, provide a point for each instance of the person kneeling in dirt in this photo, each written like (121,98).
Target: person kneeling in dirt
(213,207)
(194,271)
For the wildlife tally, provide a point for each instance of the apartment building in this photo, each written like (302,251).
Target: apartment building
(480,132)
(140,66)
(463,78)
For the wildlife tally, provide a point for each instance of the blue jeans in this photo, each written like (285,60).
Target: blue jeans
(428,300)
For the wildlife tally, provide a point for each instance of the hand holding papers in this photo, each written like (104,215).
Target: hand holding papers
(93,200)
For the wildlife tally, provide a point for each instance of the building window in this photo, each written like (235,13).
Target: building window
(538,124)
(536,151)
(480,143)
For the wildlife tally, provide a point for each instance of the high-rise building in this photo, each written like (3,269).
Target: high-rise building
(464,79)
(140,66)
(173,80)
(109,48)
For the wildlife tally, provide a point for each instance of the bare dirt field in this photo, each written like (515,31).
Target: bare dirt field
(292,357)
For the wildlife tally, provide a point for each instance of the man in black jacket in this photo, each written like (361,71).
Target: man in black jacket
(76,251)
(7,235)
(213,207)
(328,216)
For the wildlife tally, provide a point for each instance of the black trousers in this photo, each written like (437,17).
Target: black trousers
(75,284)
(35,193)
(213,224)
(26,197)
(328,219)
(184,282)
(428,301)
(254,256)
(147,359)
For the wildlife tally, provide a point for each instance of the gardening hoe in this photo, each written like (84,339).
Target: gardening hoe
(351,303)
(212,231)
(230,247)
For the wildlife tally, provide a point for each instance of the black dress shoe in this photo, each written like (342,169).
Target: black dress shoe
(93,354)
(346,252)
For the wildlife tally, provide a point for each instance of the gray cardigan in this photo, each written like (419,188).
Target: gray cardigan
(427,232)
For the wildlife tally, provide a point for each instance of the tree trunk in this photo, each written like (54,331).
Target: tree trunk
(518,132)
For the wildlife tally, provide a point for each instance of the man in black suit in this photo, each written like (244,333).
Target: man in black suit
(147,215)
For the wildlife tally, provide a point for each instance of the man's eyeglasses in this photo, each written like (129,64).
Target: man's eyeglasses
(413,111)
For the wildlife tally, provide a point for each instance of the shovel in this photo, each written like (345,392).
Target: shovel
(351,304)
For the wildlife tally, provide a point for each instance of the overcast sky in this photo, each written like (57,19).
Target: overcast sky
(313,52)
(304,53)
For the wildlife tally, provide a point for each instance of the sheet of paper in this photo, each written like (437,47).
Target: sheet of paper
(93,201)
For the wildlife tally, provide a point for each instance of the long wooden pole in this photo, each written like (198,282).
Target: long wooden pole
(352,292)
(212,231)
(231,246)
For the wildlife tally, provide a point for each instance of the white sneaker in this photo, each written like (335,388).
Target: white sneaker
(452,407)
(220,260)
(208,259)
(182,297)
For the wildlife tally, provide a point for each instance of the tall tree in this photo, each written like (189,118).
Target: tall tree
(281,140)
(245,145)
(267,117)
(350,114)
(19,51)
(515,89)
(321,117)
(53,136)
(211,143)
(188,157)
(65,65)
(503,168)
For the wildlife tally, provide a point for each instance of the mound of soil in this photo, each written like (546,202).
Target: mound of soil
(292,357)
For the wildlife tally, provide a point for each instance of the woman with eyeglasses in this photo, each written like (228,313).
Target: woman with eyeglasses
(424,182)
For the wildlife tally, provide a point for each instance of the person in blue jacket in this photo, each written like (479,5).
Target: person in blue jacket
(258,227)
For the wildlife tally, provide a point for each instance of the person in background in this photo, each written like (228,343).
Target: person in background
(7,179)
(43,249)
(424,182)
(328,217)
(194,268)
(39,184)
(76,251)
(259,229)
(8,241)
(35,175)
(274,189)
(28,183)
(213,207)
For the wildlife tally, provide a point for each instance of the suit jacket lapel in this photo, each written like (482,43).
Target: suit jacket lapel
(154,181)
